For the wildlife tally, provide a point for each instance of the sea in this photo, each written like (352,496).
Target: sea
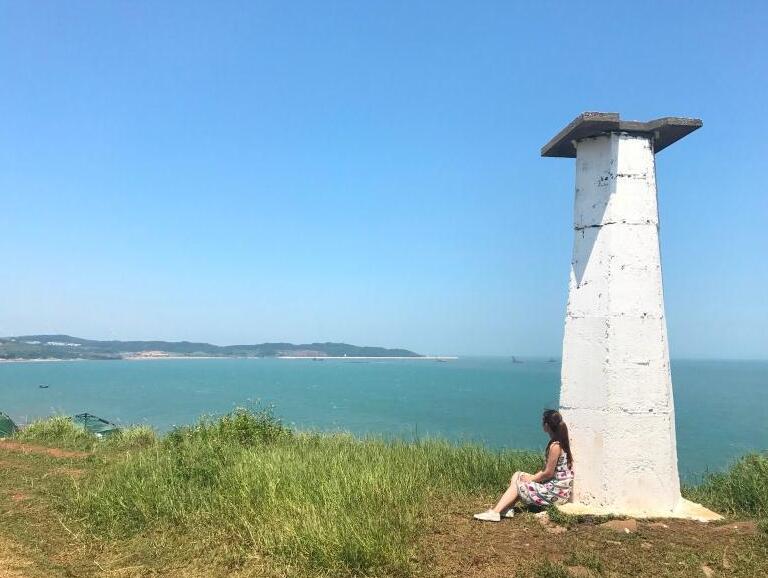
(721,406)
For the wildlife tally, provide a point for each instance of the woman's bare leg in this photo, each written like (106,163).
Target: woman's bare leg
(509,497)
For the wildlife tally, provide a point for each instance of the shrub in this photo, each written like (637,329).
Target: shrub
(130,438)
(240,427)
(59,431)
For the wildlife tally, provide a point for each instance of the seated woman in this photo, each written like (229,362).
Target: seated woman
(552,485)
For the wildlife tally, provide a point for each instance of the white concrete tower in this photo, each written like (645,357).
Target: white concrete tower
(616,389)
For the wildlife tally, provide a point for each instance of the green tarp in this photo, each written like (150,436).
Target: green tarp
(95,424)
(7,427)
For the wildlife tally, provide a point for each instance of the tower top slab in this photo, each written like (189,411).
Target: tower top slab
(662,131)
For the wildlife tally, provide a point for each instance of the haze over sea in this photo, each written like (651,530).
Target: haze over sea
(722,406)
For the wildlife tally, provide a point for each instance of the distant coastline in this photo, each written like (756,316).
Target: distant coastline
(304,357)
(36,348)
(378,357)
(40,360)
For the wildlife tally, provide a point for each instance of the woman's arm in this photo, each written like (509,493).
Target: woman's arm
(549,470)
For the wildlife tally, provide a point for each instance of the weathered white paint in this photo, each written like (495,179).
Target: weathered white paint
(616,393)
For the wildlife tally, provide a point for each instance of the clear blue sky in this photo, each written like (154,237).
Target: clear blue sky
(367,172)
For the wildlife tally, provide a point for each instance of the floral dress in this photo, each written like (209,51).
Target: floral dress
(553,491)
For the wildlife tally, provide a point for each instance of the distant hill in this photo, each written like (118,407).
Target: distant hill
(68,347)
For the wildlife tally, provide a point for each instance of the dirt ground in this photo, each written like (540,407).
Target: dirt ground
(463,547)
(11,446)
(13,562)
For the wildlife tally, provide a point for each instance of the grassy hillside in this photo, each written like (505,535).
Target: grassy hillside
(244,494)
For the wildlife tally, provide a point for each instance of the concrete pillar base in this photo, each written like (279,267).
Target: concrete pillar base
(684,510)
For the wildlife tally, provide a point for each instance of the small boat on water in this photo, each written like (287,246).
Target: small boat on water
(43,386)
(515,360)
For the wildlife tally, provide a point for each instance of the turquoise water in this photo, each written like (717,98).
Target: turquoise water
(722,406)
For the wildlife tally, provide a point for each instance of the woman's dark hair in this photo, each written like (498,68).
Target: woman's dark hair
(559,430)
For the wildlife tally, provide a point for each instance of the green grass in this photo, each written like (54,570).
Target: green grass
(244,487)
(586,558)
(547,569)
(59,431)
(326,503)
(131,438)
(62,433)
(742,490)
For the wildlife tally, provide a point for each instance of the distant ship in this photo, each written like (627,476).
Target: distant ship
(515,360)
(43,386)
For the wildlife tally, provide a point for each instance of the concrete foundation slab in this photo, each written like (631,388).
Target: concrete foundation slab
(685,510)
